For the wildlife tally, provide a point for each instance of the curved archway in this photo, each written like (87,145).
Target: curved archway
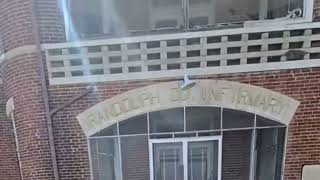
(209,143)
(215,93)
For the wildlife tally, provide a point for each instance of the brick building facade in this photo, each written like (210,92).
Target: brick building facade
(50,143)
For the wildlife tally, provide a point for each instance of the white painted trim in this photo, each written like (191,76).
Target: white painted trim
(187,139)
(151,160)
(220,158)
(283,164)
(90,159)
(307,18)
(252,150)
(151,75)
(184,142)
(185,158)
(308,8)
(120,153)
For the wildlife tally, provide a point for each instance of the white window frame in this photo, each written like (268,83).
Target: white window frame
(283,21)
(185,142)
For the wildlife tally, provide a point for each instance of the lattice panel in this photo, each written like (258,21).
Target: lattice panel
(184,50)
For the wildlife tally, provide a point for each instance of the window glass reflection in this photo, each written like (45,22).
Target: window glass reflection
(135,125)
(203,118)
(170,120)
(265,122)
(269,150)
(237,119)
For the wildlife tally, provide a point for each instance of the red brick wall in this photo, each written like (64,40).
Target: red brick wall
(22,82)
(236,154)
(50,21)
(135,158)
(16,23)
(304,132)
(9,164)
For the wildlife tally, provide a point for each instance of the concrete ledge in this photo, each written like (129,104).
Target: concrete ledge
(192,72)
(18,51)
(311,172)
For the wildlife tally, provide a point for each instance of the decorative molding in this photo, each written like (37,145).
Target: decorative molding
(27,49)
(216,93)
(167,55)
(196,72)
(183,35)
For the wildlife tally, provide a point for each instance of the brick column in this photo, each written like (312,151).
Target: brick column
(21,80)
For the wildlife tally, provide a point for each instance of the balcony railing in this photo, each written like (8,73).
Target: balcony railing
(167,55)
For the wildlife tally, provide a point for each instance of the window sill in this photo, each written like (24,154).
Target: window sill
(280,22)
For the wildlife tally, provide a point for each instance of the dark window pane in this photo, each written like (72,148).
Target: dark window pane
(213,133)
(178,135)
(203,158)
(165,14)
(168,161)
(269,150)
(170,120)
(265,122)
(135,158)
(135,125)
(203,118)
(94,158)
(86,17)
(119,18)
(233,11)
(236,155)
(280,8)
(237,119)
(160,136)
(105,158)
(109,131)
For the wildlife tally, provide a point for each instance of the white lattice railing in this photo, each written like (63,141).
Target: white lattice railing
(167,55)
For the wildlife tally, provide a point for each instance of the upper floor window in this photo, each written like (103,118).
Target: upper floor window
(87,19)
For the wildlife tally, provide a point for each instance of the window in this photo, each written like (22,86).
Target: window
(190,143)
(87,19)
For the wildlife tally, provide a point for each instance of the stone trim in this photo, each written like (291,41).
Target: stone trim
(310,172)
(216,93)
(165,55)
(248,68)
(18,52)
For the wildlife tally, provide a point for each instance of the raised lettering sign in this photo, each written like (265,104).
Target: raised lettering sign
(227,94)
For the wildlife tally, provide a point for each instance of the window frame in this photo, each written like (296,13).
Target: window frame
(174,138)
(185,142)
(283,21)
